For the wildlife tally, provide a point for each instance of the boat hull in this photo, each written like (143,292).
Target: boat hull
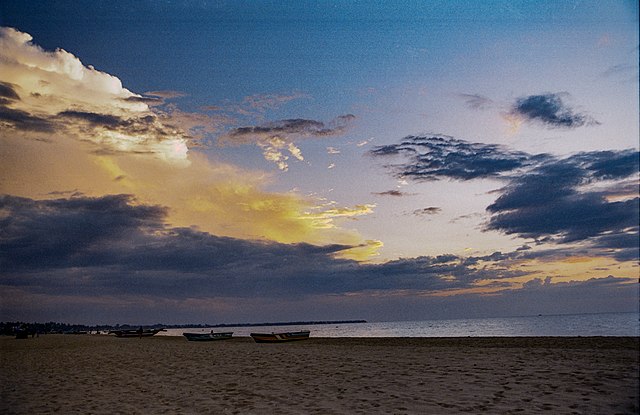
(280,337)
(207,337)
(136,333)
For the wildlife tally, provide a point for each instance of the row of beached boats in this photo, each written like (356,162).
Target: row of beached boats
(281,337)
(286,336)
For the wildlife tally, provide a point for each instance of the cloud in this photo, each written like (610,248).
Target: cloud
(325,216)
(50,233)
(432,210)
(589,198)
(116,258)
(65,126)
(53,92)
(287,128)
(550,111)
(15,119)
(113,245)
(53,233)
(8,91)
(396,193)
(276,138)
(437,157)
(152,228)
(124,247)
(476,101)
(565,199)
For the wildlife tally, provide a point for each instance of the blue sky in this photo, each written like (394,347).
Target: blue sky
(329,159)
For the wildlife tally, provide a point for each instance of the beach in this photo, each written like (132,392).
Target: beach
(101,374)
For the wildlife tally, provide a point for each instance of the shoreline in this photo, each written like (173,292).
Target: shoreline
(101,374)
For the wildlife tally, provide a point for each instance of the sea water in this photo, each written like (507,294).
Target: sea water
(608,324)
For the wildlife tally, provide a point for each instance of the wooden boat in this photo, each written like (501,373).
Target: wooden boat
(206,337)
(280,337)
(136,333)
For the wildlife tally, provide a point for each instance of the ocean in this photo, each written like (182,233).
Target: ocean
(606,324)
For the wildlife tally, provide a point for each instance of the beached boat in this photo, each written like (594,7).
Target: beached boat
(207,337)
(136,333)
(280,337)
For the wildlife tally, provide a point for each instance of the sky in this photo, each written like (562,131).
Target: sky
(247,161)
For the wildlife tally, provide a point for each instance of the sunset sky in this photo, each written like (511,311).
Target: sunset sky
(244,161)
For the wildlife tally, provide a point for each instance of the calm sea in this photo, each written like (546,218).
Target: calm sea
(609,324)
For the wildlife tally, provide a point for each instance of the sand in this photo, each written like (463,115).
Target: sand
(99,374)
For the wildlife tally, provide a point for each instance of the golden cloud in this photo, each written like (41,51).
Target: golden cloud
(71,128)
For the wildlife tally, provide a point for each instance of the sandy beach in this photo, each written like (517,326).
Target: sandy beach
(99,374)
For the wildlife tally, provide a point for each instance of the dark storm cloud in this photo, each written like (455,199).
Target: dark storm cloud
(64,232)
(588,197)
(112,254)
(550,110)
(110,230)
(121,247)
(609,165)
(559,198)
(437,157)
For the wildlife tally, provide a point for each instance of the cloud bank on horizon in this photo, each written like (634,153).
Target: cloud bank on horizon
(111,208)
(113,253)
